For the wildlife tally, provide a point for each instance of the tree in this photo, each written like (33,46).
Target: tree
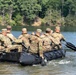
(30,8)
(43,4)
(7,8)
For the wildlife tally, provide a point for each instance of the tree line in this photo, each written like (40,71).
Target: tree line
(26,12)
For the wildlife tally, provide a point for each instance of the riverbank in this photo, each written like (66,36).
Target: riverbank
(33,28)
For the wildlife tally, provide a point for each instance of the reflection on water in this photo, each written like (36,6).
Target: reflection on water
(65,66)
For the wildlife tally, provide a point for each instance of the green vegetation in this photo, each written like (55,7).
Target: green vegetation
(26,12)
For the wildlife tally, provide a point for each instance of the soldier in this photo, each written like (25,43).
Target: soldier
(25,37)
(46,40)
(1,47)
(58,36)
(36,45)
(49,40)
(35,42)
(6,42)
(9,34)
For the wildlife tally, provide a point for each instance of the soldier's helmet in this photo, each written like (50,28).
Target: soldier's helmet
(9,27)
(4,30)
(39,30)
(57,27)
(48,29)
(24,30)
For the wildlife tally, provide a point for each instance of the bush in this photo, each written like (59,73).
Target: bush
(70,20)
(52,16)
(18,19)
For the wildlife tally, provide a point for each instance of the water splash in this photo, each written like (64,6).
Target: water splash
(55,63)
(64,62)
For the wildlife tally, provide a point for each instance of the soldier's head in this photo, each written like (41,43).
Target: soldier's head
(48,30)
(9,28)
(58,22)
(24,30)
(4,32)
(32,33)
(57,29)
(38,32)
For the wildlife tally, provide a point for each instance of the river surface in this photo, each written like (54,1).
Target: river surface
(65,66)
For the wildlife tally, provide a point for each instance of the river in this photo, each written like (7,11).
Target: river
(65,66)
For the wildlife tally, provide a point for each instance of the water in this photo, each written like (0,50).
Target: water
(65,66)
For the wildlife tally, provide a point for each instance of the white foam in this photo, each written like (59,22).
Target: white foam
(53,63)
(64,62)
(35,65)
